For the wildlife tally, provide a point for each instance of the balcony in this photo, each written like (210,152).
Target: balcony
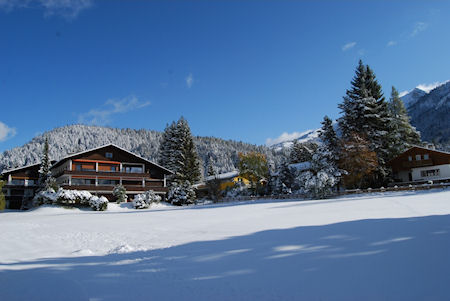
(415,163)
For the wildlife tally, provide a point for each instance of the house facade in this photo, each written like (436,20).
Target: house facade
(421,164)
(20,185)
(96,170)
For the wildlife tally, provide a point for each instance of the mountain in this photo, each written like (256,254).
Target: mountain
(411,97)
(430,114)
(75,138)
(307,136)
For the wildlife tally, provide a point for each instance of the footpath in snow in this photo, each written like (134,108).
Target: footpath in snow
(392,246)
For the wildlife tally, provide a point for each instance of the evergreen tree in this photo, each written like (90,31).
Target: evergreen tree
(46,181)
(188,168)
(286,178)
(120,193)
(168,147)
(210,168)
(366,113)
(402,134)
(329,138)
(301,152)
(2,196)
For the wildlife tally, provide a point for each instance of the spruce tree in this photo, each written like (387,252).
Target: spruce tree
(366,113)
(402,134)
(329,138)
(168,148)
(45,175)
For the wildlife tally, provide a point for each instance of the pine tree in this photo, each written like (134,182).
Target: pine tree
(120,193)
(402,134)
(168,147)
(302,152)
(45,175)
(210,168)
(366,113)
(186,154)
(329,138)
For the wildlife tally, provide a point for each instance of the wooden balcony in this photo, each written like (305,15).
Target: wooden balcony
(112,174)
(109,188)
(415,163)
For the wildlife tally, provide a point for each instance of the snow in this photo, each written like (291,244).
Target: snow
(222,176)
(386,246)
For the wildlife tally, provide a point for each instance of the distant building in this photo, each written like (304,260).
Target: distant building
(20,185)
(96,170)
(420,164)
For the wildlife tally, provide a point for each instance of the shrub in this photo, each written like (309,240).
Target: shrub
(98,203)
(181,194)
(144,200)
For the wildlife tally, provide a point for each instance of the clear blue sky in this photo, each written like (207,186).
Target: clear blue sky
(243,70)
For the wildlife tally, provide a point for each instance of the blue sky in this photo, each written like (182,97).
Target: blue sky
(242,70)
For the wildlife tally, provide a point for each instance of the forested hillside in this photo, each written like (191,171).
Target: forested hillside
(223,154)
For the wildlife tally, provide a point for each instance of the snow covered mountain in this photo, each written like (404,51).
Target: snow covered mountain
(430,112)
(411,97)
(75,138)
(307,136)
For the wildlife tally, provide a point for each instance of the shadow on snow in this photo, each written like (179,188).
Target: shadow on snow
(379,259)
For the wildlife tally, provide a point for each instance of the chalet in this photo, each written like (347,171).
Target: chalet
(420,164)
(21,185)
(96,170)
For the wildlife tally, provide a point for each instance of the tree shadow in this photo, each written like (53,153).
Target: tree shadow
(379,259)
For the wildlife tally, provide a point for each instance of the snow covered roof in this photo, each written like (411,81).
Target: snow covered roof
(113,145)
(222,176)
(301,166)
(19,168)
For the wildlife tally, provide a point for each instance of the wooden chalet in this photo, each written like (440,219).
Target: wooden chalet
(98,170)
(420,164)
(95,170)
(21,185)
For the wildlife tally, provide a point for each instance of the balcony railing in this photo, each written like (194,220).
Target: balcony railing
(417,163)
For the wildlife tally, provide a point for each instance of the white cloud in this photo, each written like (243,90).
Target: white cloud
(189,80)
(68,9)
(418,27)
(428,87)
(391,43)
(284,137)
(102,116)
(348,46)
(6,132)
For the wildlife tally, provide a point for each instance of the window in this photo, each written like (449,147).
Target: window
(409,158)
(18,182)
(83,181)
(430,173)
(133,169)
(107,182)
(426,157)
(418,157)
(78,167)
(109,155)
(113,168)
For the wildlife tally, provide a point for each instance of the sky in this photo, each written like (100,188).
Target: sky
(253,71)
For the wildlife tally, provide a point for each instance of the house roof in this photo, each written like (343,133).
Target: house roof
(113,145)
(419,147)
(19,168)
(222,176)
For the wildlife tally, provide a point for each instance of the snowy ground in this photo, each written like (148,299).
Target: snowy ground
(393,246)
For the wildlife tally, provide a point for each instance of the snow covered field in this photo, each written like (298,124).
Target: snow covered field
(393,246)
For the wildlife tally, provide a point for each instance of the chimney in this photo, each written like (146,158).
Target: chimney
(431,146)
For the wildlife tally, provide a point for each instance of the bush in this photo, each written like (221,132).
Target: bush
(181,194)
(70,198)
(120,193)
(98,203)
(144,200)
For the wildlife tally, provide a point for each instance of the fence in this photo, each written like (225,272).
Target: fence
(338,193)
